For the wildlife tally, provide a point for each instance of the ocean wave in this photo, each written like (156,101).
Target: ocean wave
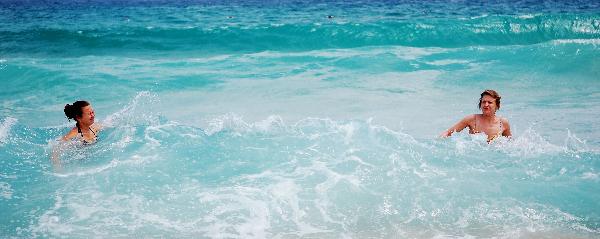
(594,42)
(306,178)
(5,127)
(489,30)
(6,191)
(136,112)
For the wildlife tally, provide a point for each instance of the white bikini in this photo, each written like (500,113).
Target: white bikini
(500,125)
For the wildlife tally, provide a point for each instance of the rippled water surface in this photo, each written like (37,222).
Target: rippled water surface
(290,119)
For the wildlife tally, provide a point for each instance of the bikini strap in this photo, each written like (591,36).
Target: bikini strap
(79,129)
(501,125)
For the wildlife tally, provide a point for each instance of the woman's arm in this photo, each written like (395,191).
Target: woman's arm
(462,124)
(70,135)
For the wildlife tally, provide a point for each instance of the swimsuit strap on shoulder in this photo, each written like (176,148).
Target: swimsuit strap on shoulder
(79,129)
(83,137)
(476,119)
(501,127)
(501,124)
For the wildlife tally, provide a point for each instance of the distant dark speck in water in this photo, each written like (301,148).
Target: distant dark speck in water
(330,16)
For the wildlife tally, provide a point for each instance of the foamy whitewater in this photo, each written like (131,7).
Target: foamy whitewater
(286,119)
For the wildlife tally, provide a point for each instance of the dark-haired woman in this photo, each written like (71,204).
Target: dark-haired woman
(85,129)
(487,122)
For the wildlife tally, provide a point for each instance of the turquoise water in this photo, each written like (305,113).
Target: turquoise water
(272,120)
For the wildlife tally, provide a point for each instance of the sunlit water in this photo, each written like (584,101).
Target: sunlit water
(273,120)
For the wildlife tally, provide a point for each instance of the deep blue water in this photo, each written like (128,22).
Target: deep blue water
(300,119)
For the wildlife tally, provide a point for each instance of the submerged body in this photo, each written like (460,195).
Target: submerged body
(487,122)
(493,127)
(86,134)
(85,130)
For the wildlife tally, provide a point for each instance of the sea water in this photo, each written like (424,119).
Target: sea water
(300,119)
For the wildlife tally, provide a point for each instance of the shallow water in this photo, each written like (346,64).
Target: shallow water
(272,120)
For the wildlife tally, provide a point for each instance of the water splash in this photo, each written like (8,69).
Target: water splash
(5,128)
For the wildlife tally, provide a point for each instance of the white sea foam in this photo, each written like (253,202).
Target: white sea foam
(449,62)
(272,123)
(590,175)
(134,160)
(316,177)
(226,122)
(402,52)
(138,111)
(527,16)
(480,16)
(574,144)
(529,144)
(594,42)
(5,127)
(6,191)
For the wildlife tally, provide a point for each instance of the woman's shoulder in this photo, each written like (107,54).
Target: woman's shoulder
(470,118)
(96,126)
(72,133)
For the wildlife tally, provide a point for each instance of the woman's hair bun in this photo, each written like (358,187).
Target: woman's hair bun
(68,111)
(74,110)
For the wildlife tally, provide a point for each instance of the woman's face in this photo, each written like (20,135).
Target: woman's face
(488,105)
(87,115)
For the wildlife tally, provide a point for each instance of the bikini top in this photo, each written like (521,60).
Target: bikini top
(85,142)
(500,126)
